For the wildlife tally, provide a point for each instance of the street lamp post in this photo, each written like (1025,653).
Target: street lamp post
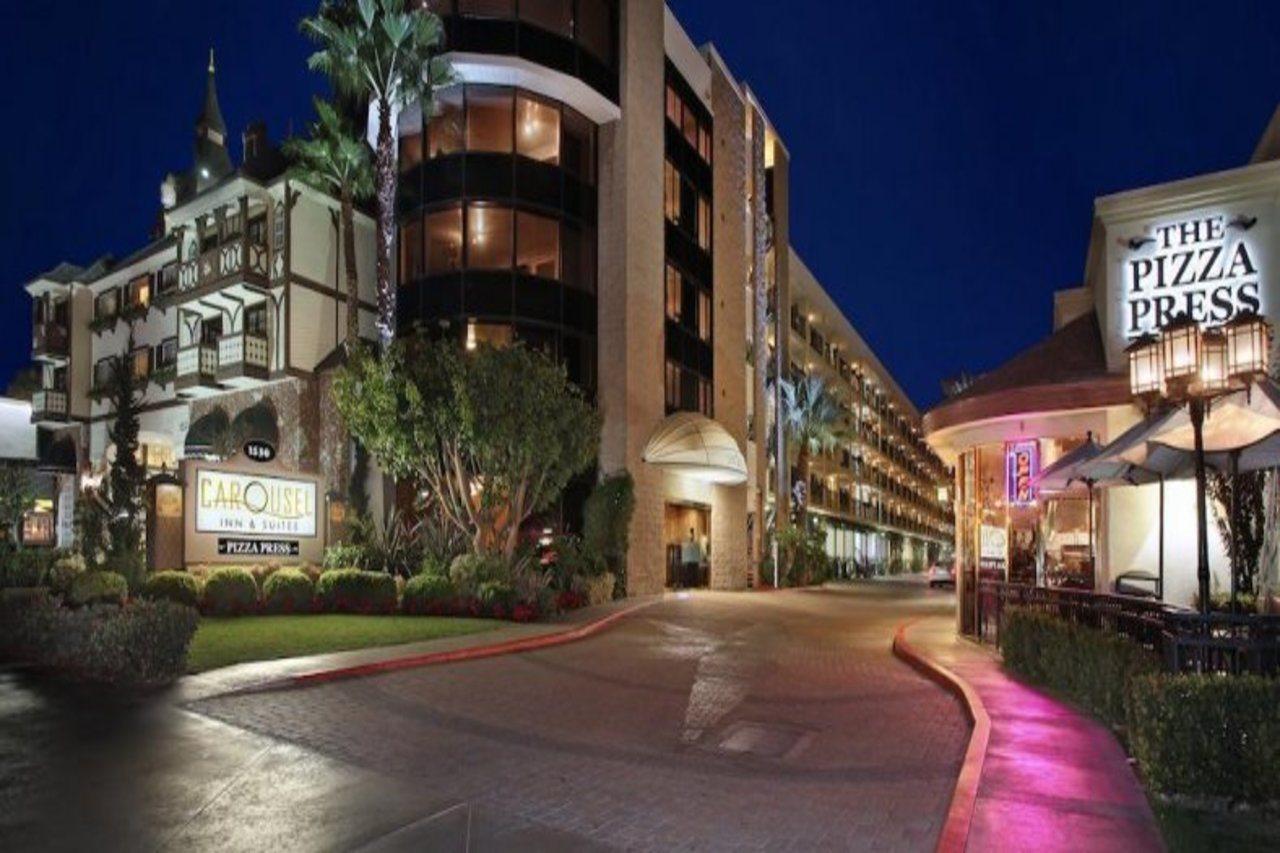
(1187,365)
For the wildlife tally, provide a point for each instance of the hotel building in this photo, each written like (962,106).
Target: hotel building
(1207,246)
(596,186)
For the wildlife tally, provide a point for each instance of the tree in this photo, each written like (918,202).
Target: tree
(126,476)
(336,161)
(16,494)
(606,519)
(387,55)
(491,435)
(1250,521)
(814,423)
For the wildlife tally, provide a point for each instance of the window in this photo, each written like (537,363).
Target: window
(704,223)
(672,385)
(704,315)
(553,15)
(674,106)
(673,293)
(690,127)
(102,371)
(537,245)
(704,396)
(487,8)
(489,119)
(255,320)
(140,362)
(578,256)
(444,241)
(671,192)
(488,237)
(210,331)
(577,148)
(140,291)
(537,130)
(411,265)
(595,29)
(166,353)
(490,334)
(258,229)
(704,142)
(106,304)
(444,130)
(410,151)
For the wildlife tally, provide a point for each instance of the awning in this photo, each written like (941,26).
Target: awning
(1065,471)
(695,446)
(256,423)
(208,435)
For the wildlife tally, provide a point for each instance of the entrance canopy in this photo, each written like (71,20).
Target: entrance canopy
(695,446)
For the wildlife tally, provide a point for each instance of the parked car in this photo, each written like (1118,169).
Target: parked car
(1138,584)
(942,573)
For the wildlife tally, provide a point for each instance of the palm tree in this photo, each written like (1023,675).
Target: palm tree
(336,161)
(389,56)
(814,423)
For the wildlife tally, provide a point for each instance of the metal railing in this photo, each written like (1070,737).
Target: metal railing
(1184,640)
(47,403)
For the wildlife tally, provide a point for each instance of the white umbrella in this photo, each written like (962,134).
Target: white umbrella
(1067,471)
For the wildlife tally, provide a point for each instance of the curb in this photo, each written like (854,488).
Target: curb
(525,644)
(955,829)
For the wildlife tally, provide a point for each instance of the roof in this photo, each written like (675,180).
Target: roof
(63,273)
(211,113)
(106,265)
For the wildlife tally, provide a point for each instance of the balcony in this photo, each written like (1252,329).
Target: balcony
(243,359)
(48,406)
(197,370)
(237,260)
(49,342)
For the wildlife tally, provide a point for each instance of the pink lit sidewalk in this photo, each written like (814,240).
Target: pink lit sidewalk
(1052,777)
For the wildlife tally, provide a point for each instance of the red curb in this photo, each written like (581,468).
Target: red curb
(955,830)
(525,644)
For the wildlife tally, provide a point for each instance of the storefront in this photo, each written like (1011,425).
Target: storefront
(1204,247)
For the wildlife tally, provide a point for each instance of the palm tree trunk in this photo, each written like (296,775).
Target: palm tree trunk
(760,335)
(802,471)
(386,177)
(349,250)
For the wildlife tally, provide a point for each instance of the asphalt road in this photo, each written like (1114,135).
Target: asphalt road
(711,721)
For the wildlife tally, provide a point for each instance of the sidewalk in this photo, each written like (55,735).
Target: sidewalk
(248,676)
(1053,778)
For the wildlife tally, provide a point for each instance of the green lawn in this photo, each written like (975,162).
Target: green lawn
(222,642)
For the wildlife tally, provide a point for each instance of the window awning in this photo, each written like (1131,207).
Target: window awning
(695,446)
(208,435)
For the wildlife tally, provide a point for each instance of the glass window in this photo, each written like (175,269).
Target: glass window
(140,359)
(537,130)
(444,241)
(553,15)
(210,331)
(704,222)
(704,315)
(444,130)
(671,192)
(140,291)
(106,304)
(704,142)
(577,253)
(255,320)
(487,8)
(490,334)
(537,245)
(595,29)
(411,267)
(673,105)
(704,396)
(578,146)
(488,237)
(690,127)
(489,119)
(167,352)
(410,151)
(672,385)
(673,294)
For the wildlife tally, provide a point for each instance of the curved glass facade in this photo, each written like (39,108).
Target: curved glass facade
(498,223)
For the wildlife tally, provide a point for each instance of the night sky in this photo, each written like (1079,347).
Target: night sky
(945,154)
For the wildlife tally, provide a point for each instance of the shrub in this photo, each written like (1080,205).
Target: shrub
(178,587)
(229,591)
(435,564)
(130,565)
(354,591)
(428,594)
(1207,735)
(606,519)
(288,591)
(24,568)
(143,642)
(571,562)
(497,598)
(1090,667)
(101,587)
(600,589)
(345,555)
(469,571)
(64,570)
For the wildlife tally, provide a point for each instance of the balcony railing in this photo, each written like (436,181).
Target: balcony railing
(233,258)
(197,366)
(243,354)
(49,339)
(48,405)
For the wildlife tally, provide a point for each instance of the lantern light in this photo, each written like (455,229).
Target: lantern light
(1213,362)
(1146,369)
(1247,345)
(1180,349)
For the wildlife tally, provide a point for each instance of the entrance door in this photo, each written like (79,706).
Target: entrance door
(687,534)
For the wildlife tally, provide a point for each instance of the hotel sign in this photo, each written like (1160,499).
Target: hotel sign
(1203,266)
(255,505)
(1021,466)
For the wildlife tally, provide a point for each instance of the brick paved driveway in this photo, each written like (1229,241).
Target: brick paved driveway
(714,721)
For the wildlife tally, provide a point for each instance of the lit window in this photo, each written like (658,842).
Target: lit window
(537,130)
(704,142)
(704,223)
(673,385)
(537,245)
(489,119)
(488,334)
(106,304)
(671,192)
(673,105)
(444,241)
(140,359)
(444,130)
(673,294)
(140,291)
(704,315)
(488,237)
(690,127)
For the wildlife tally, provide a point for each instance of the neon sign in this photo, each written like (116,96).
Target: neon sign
(1021,466)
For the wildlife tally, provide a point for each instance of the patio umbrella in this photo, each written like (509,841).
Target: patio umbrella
(1068,470)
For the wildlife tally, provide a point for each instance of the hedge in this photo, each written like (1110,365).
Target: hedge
(428,595)
(230,591)
(64,570)
(143,642)
(178,587)
(355,591)
(1212,736)
(1092,668)
(98,588)
(288,591)
(25,567)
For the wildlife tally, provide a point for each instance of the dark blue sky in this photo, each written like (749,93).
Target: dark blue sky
(945,154)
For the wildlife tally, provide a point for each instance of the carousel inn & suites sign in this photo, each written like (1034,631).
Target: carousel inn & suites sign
(237,513)
(1206,266)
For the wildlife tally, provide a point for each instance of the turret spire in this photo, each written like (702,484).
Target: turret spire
(212,159)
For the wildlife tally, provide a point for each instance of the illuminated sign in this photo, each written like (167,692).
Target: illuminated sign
(259,450)
(254,505)
(993,546)
(1205,267)
(258,547)
(1021,467)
